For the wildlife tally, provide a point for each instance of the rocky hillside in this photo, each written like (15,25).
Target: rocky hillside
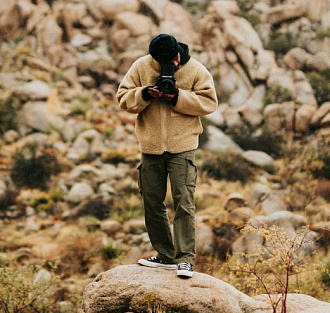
(68,157)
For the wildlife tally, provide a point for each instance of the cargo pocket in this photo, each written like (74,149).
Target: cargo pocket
(191,173)
(139,168)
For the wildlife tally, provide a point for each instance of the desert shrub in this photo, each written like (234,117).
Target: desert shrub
(223,97)
(229,166)
(42,202)
(308,179)
(89,222)
(316,163)
(301,192)
(278,95)
(281,43)
(127,208)
(247,139)
(195,8)
(32,169)
(78,251)
(110,250)
(21,291)
(323,189)
(271,268)
(225,233)
(81,106)
(321,34)
(9,198)
(246,6)
(320,83)
(7,114)
(325,275)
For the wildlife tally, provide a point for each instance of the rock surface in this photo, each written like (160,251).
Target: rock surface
(138,289)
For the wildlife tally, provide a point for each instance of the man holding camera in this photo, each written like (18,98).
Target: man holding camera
(169,90)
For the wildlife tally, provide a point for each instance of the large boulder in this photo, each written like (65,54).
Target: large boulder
(110,8)
(135,288)
(283,13)
(219,141)
(33,90)
(320,114)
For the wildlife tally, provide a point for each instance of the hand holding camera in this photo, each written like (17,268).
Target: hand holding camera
(166,84)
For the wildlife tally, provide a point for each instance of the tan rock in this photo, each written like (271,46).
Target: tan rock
(110,8)
(272,116)
(234,201)
(321,112)
(137,288)
(326,120)
(137,24)
(296,58)
(304,115)
(282,13)
(49,33)
(96,63)
(264,64)
(288,115)
(250,115)
(111,227)
(14,16)
(224,9)
(157,7)
(319,62)
(177,22)
(232,117)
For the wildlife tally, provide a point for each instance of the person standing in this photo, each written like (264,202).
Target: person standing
(168,126)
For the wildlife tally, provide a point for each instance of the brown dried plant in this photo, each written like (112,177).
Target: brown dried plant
(273,263)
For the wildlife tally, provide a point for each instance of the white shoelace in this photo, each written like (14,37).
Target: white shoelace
(185,266)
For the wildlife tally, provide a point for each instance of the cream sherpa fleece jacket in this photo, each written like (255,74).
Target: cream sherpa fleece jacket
(161,126)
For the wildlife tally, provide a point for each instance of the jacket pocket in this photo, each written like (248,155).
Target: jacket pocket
(191,172)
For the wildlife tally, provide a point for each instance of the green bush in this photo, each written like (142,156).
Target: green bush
(278,95)
(325,275)
(316,163)
(229,166)
(125,209)
(267,142)
(7,115)
(89,222)
(321,34)
(21,291)
(281,43)
(81,106)
(320,83)
(31,169)
(42,203)
(110,250)
(246,5)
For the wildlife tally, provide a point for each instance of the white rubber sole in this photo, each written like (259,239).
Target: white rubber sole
(184,273)
(157,265)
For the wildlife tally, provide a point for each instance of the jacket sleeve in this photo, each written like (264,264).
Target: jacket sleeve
(201,100)
(130,92)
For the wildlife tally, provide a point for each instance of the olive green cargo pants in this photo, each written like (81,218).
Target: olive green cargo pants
(182,172)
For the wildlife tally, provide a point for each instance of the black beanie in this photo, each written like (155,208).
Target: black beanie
(164,48)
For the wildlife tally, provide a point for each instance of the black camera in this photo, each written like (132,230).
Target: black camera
(166,80)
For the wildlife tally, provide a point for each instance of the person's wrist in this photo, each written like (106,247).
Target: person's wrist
(175,98)
(146,95)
